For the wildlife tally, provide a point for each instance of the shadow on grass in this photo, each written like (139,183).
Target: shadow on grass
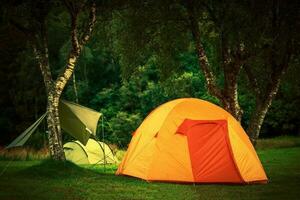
(49,179)
(56,170)
(50,169)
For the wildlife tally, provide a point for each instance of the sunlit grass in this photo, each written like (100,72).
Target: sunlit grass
(24,153)
(46,179)
(278,142)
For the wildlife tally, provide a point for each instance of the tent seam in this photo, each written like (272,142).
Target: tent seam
(231,152)
(82,148)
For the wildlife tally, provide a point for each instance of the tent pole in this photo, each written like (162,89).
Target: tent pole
(102,127)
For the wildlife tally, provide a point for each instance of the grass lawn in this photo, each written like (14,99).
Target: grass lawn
(51,180)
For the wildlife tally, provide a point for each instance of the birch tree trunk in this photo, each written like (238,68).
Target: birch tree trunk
(260,111)
(231,102)
(202,57)
(279,63)
(75,88)
(54,129)
(53,123)
(55,88)
(228,96)
(264,101)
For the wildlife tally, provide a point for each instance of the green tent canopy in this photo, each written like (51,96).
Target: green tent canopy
(94,152)
(79,121)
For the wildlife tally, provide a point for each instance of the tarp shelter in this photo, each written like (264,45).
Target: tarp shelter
(191,140)
(79,121)
(94,152)
(21,139)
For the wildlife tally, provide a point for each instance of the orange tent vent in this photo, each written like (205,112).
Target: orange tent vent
(191,140)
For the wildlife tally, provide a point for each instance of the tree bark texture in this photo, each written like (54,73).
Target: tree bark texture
(261,109)
(264,102)
(202,57)
(230,92)
(75,88)
(228,96)
(53,123)
(265,97)
(55,88)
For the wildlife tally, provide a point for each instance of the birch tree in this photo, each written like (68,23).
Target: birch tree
(36,31)
(241,37)
(280,42)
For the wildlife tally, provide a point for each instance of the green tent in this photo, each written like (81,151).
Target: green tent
(79,121)
(94,152)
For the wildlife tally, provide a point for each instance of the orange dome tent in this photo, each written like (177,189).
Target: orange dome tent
(191,140)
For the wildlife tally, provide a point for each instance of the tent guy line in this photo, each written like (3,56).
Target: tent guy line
(81,123)
(77,120)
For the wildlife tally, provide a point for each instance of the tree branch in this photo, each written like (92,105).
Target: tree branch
(74,34)
(203,60)
(40,51)
(92,20)
(44,67)
(76,44)
(252,81)
(73,11)
(277,73)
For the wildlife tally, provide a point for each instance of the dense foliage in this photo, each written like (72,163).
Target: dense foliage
(125,78)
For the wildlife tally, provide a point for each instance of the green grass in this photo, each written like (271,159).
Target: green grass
(278,142)
(27,153)
(47,179)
